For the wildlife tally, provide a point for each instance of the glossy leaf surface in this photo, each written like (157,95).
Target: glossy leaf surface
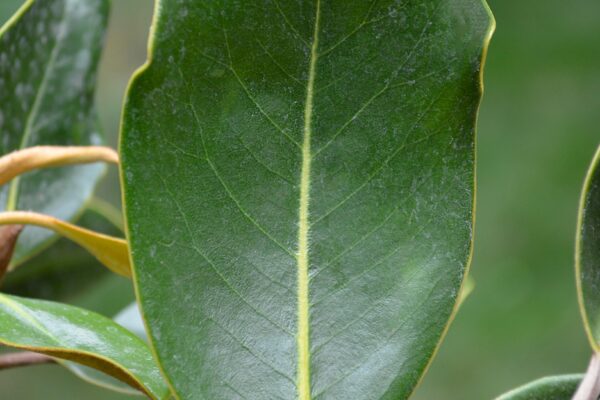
(74,334)
(587,254)
(299,182)
(561,387)
(49,53)
(130,319)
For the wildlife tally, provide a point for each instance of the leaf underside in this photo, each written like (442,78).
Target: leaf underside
(49,53)
(299,182)
(560,387)
(74,334)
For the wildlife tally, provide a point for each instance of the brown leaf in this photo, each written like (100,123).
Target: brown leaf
(8,238)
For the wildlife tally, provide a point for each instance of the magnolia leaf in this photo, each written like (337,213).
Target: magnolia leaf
(560,387)
(74,334)
(49,52)
(110,251)
(130,319)
(587,253)
(298,189)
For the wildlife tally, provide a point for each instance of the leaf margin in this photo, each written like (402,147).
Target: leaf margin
(150,48)
(457,305)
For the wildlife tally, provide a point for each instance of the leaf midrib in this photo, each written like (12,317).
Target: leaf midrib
(304,390)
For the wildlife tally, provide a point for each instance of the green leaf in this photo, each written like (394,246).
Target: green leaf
(560,387)
(299,182)
(130,319)
(74,334)
(49,54)
(587,253)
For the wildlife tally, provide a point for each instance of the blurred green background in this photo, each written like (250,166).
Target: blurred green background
(538,130)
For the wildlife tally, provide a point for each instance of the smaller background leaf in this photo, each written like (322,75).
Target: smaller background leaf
(131,319)
(587,253)
(75,334)
(550,388)
(49,53)
(66,272)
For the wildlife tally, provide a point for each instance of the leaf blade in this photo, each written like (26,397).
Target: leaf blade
(227,205)
(561,387)
(130,319)
(73,334)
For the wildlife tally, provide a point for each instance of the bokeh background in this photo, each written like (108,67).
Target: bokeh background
(538,129)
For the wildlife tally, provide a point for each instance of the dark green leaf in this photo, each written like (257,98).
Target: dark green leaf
(130,319)
(551,388)
(74,334)
(298,182)
(49,53)
(587,253)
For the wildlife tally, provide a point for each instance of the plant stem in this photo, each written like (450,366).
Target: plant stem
(23,359)
(589,388)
